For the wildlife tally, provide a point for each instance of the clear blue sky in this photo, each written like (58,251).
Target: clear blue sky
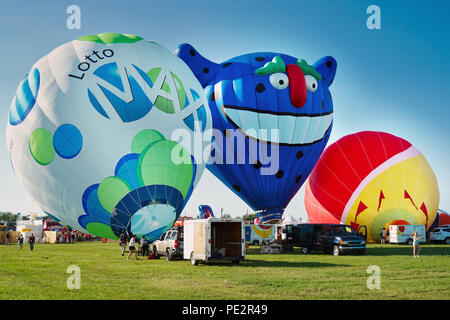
(396,79)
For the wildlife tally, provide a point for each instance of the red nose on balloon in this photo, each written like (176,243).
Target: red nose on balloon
(297,84)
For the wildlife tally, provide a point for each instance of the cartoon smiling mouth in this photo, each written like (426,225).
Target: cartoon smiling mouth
(293,128)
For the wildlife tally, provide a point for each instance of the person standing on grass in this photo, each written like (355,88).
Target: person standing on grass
(8,239)
(145,246)
(383,236)
(31,240)
(416,245)
(132,247)
(123,239)
(20,241)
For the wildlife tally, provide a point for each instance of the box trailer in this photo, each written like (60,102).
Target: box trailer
(214,239)
(402,233)
(256,234)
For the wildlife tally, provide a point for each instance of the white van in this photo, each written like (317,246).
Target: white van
(402,233)
(441,234)
(257,234)
(214,239)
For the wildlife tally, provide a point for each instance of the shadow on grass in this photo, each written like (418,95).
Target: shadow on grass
(290,264)
(275,264)
(396,250)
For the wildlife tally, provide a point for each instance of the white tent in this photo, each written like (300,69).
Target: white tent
(289,220)
(34,225)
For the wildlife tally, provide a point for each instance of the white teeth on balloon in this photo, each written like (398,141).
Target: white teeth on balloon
(302,129)
(250,124)
(287,125)
(266,125)
(234,115)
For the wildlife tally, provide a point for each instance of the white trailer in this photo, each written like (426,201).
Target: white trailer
(402,233)
(214,239)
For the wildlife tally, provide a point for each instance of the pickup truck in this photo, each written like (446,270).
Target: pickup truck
(336,239)
(170,244)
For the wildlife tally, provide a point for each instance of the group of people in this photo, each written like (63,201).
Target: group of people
(384,236)
(72,236)
(20,240)
(63,237)
(134,242)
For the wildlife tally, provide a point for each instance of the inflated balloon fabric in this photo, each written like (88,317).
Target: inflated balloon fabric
(374,179)
(90,135)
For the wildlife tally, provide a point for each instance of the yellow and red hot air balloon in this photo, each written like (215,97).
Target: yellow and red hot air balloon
(374,179)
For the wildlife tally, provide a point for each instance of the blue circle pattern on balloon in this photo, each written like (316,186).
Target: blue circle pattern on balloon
(67,141)
(126,169)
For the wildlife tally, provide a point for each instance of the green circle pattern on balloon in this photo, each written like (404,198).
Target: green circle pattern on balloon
(144,138)
(41,146)
(166,163)
(110,37)
(111,190)
(101,230)
(160,162)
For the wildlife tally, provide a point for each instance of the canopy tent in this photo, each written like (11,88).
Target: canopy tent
(289,220)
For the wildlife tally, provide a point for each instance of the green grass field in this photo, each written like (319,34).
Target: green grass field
(105,274)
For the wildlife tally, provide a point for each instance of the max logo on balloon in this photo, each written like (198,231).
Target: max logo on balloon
(122,89)
(129,92)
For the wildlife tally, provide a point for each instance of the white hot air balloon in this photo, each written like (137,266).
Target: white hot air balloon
(89,135)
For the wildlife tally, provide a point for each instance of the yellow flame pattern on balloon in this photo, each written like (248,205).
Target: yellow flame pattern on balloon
(413,175)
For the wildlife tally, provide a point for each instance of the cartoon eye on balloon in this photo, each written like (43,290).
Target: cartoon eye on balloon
(257,94)
(89,135)
(279,81)
(311,83)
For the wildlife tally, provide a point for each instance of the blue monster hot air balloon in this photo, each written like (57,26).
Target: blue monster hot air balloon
(278,103)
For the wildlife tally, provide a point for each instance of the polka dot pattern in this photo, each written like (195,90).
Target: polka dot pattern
(67,141)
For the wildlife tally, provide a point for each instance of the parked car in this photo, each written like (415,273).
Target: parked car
(329,238)
(214,239)
(402,233)
(441,234)
(170,244)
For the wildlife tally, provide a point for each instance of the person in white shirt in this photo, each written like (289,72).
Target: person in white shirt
(416,246)
(132,247)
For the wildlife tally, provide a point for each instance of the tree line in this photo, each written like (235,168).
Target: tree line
(8,216)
